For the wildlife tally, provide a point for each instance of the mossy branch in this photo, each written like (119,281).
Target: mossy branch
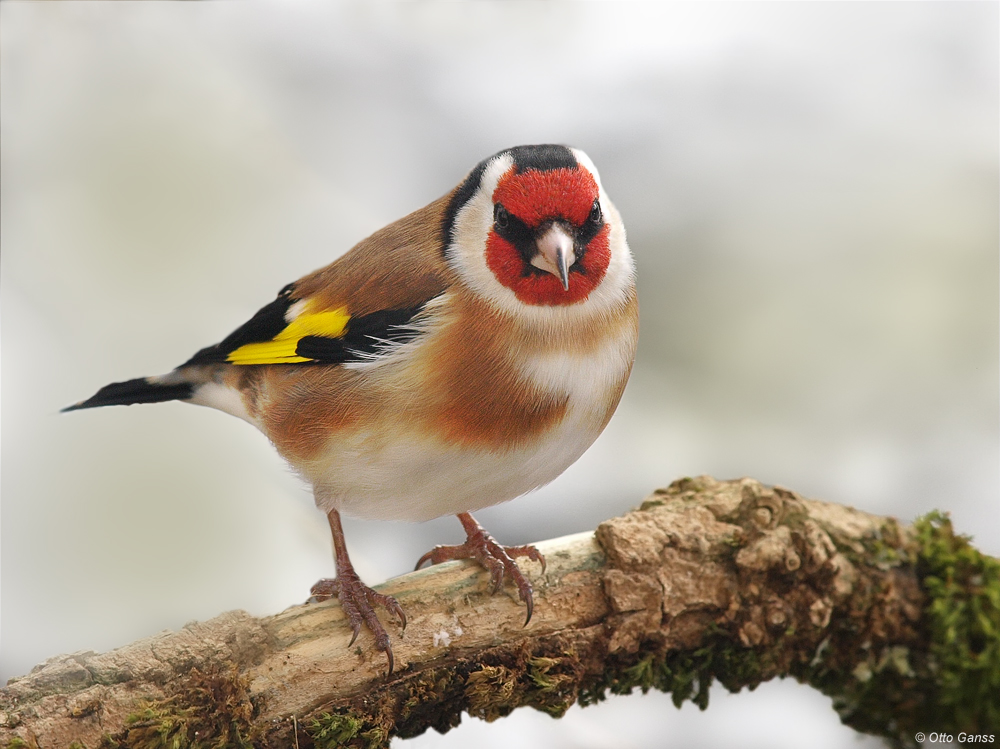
(708,580)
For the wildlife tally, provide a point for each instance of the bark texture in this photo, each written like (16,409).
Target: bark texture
(726,580)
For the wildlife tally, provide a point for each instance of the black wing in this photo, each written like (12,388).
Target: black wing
(310,337)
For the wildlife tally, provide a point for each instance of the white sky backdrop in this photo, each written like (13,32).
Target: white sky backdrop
(810,190)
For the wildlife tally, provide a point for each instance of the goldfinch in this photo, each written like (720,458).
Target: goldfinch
(460,357)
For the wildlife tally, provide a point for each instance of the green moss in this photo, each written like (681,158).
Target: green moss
(881,695)
(16,743)
(432,698)
(884,549)
(963,620)
(493,692)
(212,712)
(333,731)
(948,680)
(345,730)
(375,737)
(540,673)
(159,727)
(686,674)
(552,687)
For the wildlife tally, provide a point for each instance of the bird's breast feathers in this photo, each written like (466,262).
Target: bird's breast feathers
(450,421)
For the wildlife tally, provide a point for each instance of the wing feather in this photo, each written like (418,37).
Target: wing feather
(346,311)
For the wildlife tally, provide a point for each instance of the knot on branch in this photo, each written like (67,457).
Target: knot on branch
(741,556)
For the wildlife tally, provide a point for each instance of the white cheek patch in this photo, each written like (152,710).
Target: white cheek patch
(473,223)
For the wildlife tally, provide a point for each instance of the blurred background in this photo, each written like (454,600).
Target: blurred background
(810,191)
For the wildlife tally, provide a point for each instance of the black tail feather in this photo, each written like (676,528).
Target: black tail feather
(134,391)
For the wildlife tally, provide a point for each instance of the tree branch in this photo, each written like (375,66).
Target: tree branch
(708,580)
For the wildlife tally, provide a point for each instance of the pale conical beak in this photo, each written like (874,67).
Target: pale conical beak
(555,253)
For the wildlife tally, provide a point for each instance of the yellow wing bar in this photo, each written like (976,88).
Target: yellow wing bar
(281,348)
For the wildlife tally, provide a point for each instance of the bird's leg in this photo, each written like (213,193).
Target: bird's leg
(497,559)
(356,598)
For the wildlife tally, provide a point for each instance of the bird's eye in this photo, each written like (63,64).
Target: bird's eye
(500,216)
(596,216)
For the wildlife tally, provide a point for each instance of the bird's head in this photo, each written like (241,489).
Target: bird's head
(531,226)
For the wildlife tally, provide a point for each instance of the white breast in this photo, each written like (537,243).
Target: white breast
(587,380)
(390,473)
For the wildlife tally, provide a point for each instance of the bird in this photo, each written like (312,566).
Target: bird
(462,356)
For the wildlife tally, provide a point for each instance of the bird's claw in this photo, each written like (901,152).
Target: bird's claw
(358,602)
(498,561)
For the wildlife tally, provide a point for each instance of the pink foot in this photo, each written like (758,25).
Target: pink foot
(359,602)
(497,559)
